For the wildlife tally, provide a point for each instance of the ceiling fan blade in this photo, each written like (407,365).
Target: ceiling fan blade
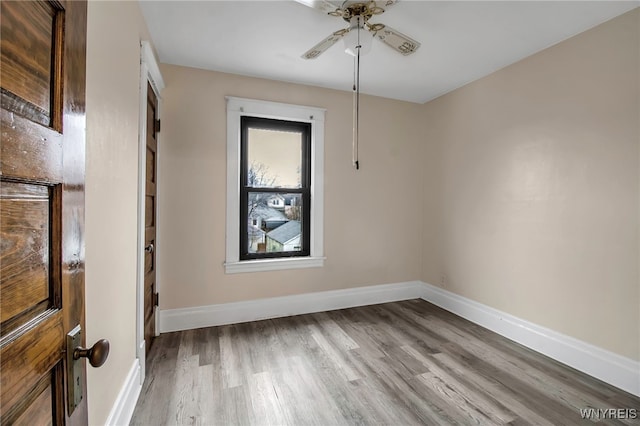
(321,5)
(398,41)
(319,48)
(384,4)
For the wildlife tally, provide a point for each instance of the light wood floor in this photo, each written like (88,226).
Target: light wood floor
(403,363)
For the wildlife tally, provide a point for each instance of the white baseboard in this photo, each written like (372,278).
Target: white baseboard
(142,360)
(125,403)
(607,366)
(252,310)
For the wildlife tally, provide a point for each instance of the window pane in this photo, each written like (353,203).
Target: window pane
(275,222)
(274,158)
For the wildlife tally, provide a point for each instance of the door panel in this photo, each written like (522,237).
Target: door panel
(30,82)
(150,291)
(20,135)
(41,207)
(25,264)
(149,213)
(42,348)
(37,412)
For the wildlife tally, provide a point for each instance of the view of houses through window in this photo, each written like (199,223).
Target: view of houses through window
(274,222)
(275,187)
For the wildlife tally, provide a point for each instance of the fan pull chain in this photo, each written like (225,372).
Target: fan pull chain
(354,148)
(356,102)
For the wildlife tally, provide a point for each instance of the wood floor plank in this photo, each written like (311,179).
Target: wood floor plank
(365,342)
(401,363)
(183,405)
(237,408)
(296,381)
(262,334)
(266,406)
(209,348)
(471,397)
(544,404)
(395,321)
(206,396)
(341,365)
(451,394)
(516,367)
(493,390)
(229,362)
(335,332)
(398,396)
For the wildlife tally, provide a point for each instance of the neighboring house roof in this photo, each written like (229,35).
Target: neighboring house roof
(276,219)
(286,232)
(266,212)
(254,231)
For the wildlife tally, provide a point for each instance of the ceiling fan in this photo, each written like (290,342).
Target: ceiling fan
(357,37)
(357,14)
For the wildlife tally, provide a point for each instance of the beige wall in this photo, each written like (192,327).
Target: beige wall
(372,216)
(113,69)
(532,206)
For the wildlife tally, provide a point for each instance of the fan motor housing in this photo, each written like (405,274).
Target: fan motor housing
(364,9)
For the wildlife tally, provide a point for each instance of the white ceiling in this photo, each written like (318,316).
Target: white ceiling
(461,40)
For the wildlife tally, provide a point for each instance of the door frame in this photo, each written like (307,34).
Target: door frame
(149,73)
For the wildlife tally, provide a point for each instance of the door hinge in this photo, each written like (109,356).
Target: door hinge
(156,299)
(157,129)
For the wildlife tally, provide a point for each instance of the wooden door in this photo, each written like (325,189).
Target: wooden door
(42,154)
(150,291)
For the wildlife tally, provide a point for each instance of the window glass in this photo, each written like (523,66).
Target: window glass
(275,222)
(274,157)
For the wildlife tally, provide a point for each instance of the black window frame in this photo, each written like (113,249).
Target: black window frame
(251,122)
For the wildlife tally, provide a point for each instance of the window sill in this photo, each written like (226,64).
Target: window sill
(273,264)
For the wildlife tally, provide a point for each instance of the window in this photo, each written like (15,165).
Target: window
(275,165)
(275,194)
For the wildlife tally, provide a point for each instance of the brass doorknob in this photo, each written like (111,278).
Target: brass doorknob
(97,354)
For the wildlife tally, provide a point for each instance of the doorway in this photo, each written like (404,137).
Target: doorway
(151,85)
